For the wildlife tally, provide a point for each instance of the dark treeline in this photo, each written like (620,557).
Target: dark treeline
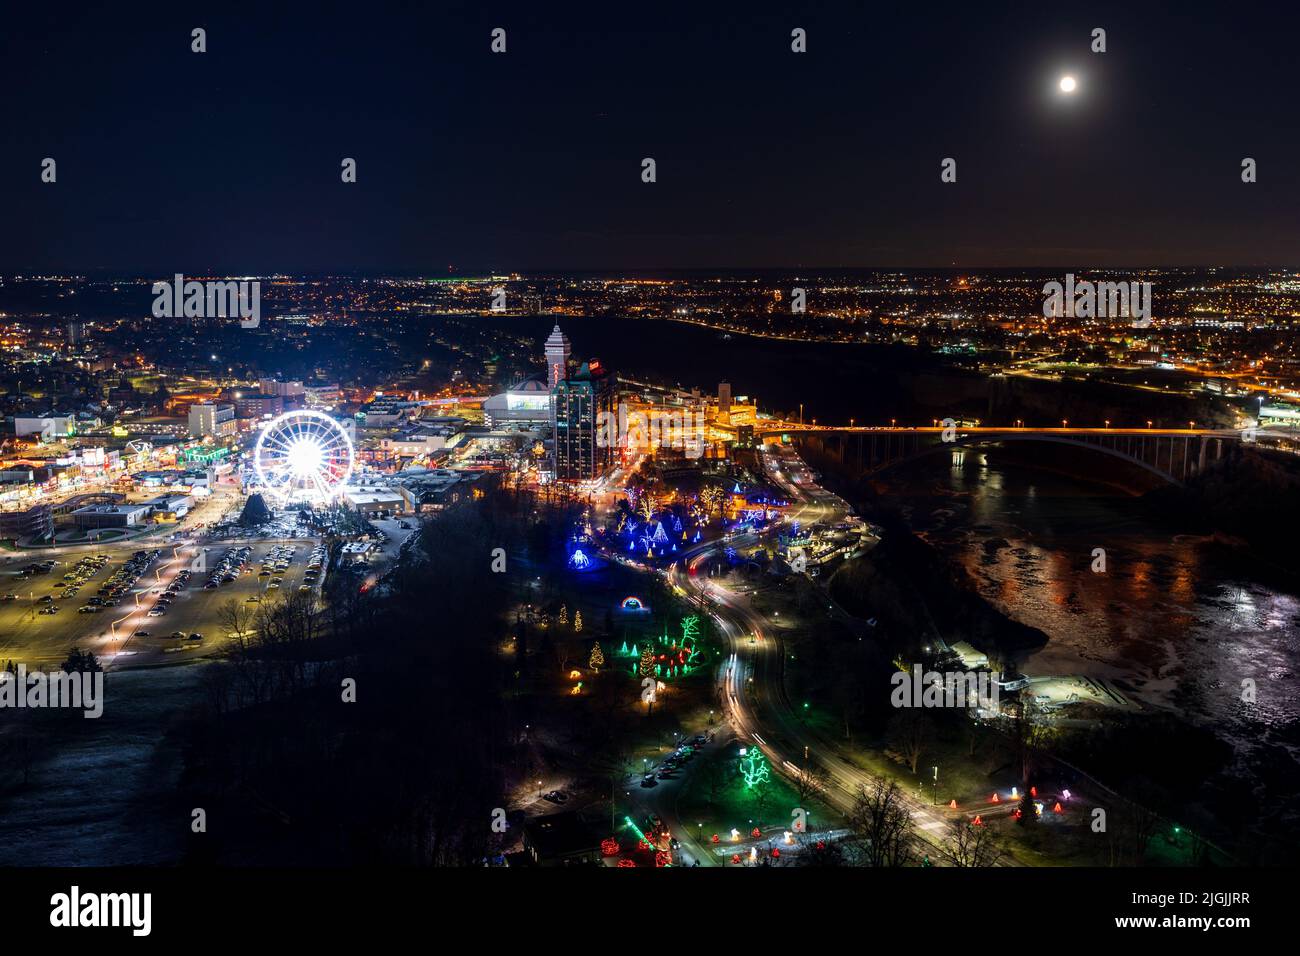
(375,730)
(1252,496)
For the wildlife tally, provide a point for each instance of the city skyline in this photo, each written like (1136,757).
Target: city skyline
(547,440)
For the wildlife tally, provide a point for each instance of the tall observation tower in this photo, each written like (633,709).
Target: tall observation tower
(557,358)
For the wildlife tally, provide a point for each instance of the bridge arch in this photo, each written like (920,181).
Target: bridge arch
(1170,456)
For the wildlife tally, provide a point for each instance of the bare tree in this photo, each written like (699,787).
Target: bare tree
(1130,832)
(810,779)
(1033,731)
(883,824)
(715,778)
(235,618)
(910,732)
(968,845)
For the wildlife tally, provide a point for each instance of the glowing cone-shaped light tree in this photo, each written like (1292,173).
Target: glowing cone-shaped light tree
(597,659)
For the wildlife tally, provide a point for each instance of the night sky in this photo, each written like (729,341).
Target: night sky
(229,161)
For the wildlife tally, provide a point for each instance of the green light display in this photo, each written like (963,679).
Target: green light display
(753,767)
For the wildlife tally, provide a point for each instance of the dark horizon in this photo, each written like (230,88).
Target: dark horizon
(471,161)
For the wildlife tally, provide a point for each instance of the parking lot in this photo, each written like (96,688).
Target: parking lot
(131,583)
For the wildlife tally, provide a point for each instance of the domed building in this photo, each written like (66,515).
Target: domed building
(525,404)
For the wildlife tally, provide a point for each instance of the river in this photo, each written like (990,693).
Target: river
(1176,621)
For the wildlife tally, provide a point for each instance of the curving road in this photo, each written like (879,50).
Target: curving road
(754,687)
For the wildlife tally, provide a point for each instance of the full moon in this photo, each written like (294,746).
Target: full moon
(1067,84)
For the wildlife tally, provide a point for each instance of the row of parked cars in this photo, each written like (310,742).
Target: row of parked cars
(275,563)
(674,761)
(80,573)
(231,566)
(40,567)
(312,574)
(164,602)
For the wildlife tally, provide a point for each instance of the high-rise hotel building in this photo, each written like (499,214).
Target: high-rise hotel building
(578,402)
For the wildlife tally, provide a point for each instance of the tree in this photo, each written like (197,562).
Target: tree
(690,629)
(577,622)
(1032,734)
(883,824)
(1130,832)
(967,845)
(597,659)
(753,768)
(909,732)
(1028,812)
(715,778)
(647,667)
(811,778)
(79,661)
(236,618)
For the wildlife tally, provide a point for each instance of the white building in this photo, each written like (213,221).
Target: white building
(111,516)
(211,419)
(270,386)
(527,403)
(414,445)
(49,426)
(557,358)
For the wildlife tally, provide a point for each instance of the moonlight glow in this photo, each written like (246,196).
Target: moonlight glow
(1068,84)
(303,456)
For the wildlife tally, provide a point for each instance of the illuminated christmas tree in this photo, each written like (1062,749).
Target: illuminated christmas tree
(597,659)
(647,659)
(577,622)
(564,614)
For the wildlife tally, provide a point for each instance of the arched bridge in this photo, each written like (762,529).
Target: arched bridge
(1173,454)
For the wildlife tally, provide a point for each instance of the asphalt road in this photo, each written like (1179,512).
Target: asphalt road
(755,696)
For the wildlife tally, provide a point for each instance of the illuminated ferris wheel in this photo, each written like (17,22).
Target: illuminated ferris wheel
(303,456)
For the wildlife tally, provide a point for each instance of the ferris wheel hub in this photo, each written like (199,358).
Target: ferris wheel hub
(303,456)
